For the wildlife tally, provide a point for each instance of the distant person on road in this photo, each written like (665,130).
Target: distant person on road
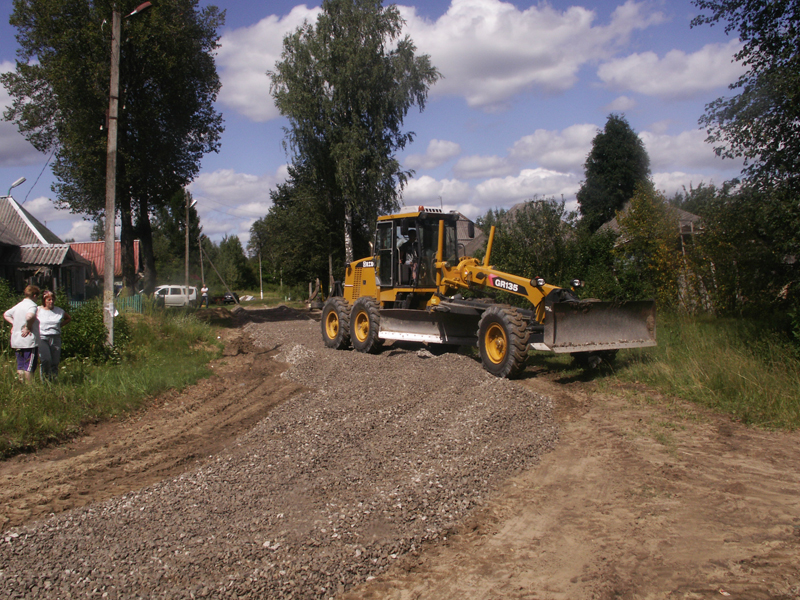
(25,333)
(51,320)
(204,296)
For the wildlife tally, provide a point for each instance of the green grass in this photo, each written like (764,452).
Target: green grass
(733,366)
(167,350)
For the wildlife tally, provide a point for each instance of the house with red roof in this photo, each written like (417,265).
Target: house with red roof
(32,254)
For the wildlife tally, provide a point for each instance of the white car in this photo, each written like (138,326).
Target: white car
(175,295)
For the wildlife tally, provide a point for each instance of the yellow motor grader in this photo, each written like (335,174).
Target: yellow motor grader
(410,290)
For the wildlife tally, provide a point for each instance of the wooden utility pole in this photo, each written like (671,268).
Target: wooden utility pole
(111,179)
(185,193)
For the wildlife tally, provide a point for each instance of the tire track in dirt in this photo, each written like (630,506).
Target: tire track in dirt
(177,431)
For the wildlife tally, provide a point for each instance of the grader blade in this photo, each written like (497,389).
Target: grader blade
(422,326)
(593,326)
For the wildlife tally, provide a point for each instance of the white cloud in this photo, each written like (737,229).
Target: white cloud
(479,167)
(427,191)
(44,209)
(563,151)
(687,150)
(79,230)
(226,187)
(489,51)
(528,184)
(245,56)
(229,202)
(677,74)
(438,153)
(621,104)
(676,181)
(660,126)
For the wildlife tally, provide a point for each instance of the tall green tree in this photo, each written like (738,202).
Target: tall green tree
(167,121)
(299,234)
(739,258)
(232,264)
(648,250)
(761,123)
(293,237)
(169,238)
(346,83)
(534,239)
(616,164)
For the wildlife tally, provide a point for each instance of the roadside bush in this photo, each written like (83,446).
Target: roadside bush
(85,336)
(151,354)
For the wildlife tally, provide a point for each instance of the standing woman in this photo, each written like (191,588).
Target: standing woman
(25,333)
(51,320)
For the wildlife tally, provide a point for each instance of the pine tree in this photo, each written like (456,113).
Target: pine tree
(617,163)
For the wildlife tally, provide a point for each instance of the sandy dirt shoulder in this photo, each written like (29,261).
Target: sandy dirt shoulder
(644,497)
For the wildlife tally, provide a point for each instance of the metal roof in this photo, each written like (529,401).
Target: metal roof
(95,252)
(688,223)
(18,227)
(42,255)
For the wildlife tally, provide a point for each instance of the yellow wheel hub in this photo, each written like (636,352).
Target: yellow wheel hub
(332,325)
(496,343)
(362,326)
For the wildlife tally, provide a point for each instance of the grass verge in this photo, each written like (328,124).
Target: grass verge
(739,367)
(734,366)
(169,349)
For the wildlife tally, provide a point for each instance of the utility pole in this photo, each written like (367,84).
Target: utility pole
(187,245)
(200,247)
(188,206)
(111,171)
(111,178)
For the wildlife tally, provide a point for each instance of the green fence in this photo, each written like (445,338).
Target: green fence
(122,304)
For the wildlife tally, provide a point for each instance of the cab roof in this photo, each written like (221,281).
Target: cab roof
(422,211)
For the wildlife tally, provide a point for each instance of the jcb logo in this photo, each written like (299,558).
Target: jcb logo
(368,263)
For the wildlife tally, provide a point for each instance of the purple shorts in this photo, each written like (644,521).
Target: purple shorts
(27,359)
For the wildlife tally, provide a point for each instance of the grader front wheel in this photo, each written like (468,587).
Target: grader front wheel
(336,323)
(502,341)
(366,322)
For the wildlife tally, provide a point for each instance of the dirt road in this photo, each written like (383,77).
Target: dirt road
(641,496)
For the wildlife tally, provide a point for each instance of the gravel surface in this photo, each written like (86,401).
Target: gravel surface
(381,454)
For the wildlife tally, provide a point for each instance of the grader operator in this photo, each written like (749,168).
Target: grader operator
(410,290)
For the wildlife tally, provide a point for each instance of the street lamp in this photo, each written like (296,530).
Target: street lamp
(19,181)
(188,206)
(111,170)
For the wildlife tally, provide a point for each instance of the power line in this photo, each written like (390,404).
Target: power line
(40,174)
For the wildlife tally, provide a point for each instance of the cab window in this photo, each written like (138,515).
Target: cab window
(384,248)
(429,244)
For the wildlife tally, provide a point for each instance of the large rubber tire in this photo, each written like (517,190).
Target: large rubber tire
(336,323)
(365,323)
(502,341)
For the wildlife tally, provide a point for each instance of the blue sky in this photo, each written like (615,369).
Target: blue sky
(526,87)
